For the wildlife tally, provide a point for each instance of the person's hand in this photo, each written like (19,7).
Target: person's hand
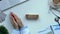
(16,22)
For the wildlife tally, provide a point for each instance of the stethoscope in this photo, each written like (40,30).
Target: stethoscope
(57,17)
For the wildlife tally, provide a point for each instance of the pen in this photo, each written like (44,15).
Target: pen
(15,5)
(51,29)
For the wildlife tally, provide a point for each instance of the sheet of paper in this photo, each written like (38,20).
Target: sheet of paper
(56,29)
(45,31)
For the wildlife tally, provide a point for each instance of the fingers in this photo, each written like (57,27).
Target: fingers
(13,22)
(11,15)
(15,16)
(17,20)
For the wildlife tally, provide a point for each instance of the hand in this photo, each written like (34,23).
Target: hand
(16,22)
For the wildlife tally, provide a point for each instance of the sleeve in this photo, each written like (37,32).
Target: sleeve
(14,31)
(25,30)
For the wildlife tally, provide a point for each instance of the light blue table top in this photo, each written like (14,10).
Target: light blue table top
(33,6)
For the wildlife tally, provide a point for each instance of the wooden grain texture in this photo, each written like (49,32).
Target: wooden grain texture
(34,17)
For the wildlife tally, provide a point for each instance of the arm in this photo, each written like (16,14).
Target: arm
(23,30)
(17,24)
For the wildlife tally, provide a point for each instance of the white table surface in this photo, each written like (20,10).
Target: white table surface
(32,6)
